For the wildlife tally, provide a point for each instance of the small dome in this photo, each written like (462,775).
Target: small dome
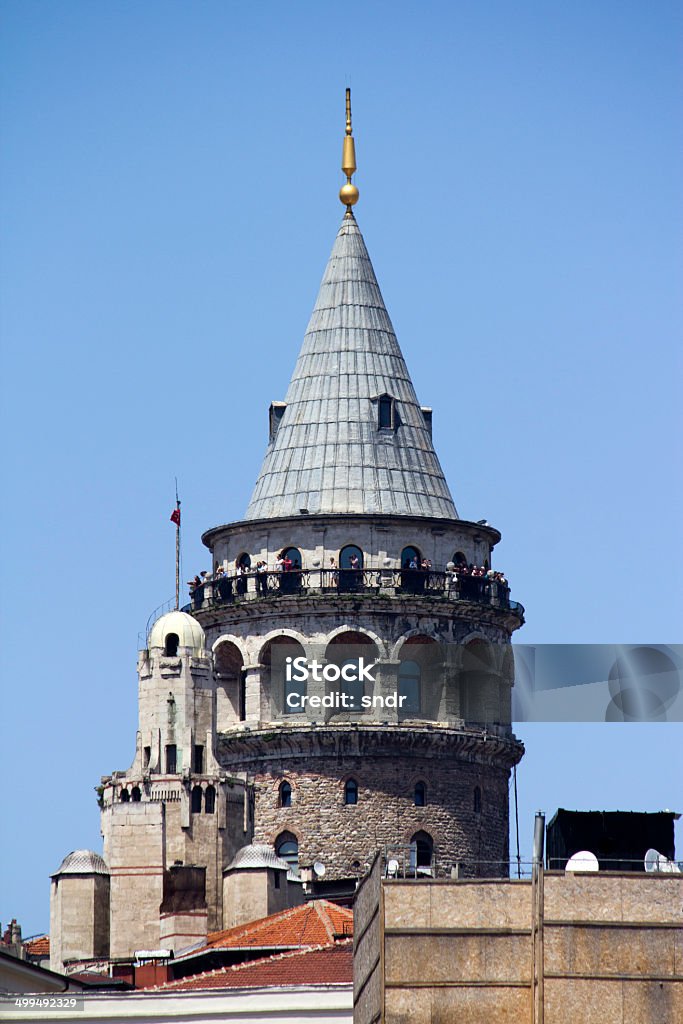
(257,856)
(82,862)
(187,629)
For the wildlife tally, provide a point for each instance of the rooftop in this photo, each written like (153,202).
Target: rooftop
(317,965)
(40,946)
(313,923)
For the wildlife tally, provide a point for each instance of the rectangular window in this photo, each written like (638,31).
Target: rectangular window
(385,417)
(198,759)
(277,879)
(171,759)
(146,756)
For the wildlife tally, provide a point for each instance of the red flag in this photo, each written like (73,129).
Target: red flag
(175,516)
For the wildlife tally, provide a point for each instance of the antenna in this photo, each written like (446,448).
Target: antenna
(319,869)
(584,860)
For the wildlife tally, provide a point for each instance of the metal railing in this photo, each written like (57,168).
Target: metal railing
(413,861)
(253,585)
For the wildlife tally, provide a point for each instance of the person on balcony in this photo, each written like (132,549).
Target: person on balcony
(262,577)
(242,579)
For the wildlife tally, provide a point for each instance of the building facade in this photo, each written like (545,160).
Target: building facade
(351,548)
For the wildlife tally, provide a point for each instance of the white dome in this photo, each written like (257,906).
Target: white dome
(187,629)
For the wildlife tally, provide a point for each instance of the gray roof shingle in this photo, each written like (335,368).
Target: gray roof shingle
(328,454)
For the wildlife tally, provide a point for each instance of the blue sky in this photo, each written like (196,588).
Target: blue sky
(169,181)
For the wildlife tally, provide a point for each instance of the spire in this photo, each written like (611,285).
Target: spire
(348,193)
(352,437)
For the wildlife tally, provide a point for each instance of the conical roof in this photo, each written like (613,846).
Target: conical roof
(329,453)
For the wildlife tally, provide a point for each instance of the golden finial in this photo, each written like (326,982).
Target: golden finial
(348,193)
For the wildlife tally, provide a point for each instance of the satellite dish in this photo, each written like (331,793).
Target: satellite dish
(584,860)
(319,868)
(652,860)
(656,861)
(392,868)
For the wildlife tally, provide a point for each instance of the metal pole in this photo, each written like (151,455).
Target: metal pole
(519,862)
(537,999)
(177,549)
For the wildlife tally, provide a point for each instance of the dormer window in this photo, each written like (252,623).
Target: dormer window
(386,413)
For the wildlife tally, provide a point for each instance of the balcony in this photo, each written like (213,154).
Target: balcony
(271,586)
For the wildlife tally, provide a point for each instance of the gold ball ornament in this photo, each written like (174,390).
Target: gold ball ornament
(348,194)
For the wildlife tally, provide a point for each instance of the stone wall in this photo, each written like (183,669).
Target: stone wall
(134,851)
(249,894)
(380,538)
(344,836)
(79,918)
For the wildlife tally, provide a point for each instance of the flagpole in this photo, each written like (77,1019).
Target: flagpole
(177,549)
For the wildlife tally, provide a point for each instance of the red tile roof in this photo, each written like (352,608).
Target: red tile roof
(318,922)
(39,946)
(319,965)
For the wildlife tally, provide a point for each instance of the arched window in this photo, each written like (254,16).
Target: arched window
(125,796)
(294,555)
(350,569)
(413,577)
(285,795)
(228,666)
(351,792)
(196,804)
(346,556)
(459,558)
(289,579)
(421,852)
(409,687)
(209,800)
(135,794)
(243,561)
(280,674)
(411,558)
(287,847)
(420,795)
(477,800)
(171,646)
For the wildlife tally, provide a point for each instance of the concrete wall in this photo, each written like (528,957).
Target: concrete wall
(462,950)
